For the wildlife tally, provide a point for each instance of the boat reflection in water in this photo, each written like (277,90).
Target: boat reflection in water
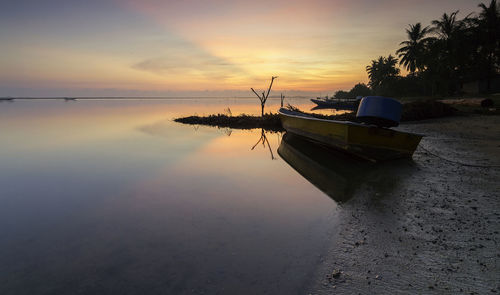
(333,172)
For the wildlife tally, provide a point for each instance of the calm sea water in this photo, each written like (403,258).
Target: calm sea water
(113,197)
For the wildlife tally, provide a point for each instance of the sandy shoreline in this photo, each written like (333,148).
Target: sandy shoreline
(428,226)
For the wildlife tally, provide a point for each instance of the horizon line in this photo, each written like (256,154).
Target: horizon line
(135,97)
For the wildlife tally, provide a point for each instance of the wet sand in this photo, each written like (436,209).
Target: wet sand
(426,227)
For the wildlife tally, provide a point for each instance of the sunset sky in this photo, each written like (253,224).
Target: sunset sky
(200,47)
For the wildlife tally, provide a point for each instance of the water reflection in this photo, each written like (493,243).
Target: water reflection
(335,173)
(340,175)
(112,197)
(264,141)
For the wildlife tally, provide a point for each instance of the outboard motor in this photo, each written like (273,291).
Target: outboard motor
(380,111)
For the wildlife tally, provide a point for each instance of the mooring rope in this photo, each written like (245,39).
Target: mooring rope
(456,162)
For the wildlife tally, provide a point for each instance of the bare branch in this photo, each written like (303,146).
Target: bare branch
(270,85)
(257,94)
(260,139)
(268,145)
(264,96)
(264,141)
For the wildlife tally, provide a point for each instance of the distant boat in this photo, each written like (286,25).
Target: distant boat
(367,141)
(69,98)
(340,104)
(6,99)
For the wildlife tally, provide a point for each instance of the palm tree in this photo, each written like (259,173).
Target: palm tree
(446,26)
(390,70)
(451,34)
(488,24)
(490,14)
(382,70)
(448,50)
(374,70)
(413,50)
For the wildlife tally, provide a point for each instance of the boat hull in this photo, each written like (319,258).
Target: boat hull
(368,142)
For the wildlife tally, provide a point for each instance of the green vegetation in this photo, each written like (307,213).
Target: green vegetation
(270,122)
(442,58)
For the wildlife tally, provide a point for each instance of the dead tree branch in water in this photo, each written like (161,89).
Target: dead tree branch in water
(264,96)
(263,139)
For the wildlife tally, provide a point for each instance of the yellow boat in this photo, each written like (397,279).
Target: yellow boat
(366,141)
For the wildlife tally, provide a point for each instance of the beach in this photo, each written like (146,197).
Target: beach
(427,228)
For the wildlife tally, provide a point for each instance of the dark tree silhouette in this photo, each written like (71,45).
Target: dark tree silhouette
(413,52)
(381,71)
(341,94)
(443,57)
(450,52)
(489,32)
(446,26)
(360,89)
(264,96)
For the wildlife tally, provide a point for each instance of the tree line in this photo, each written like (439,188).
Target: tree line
(439,58)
